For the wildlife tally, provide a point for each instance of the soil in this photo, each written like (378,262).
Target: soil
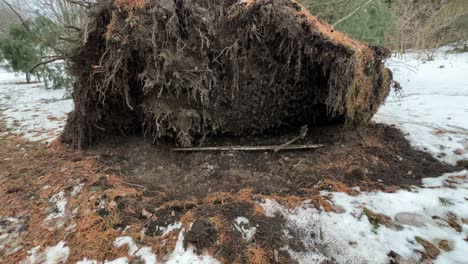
(372,157)
(205,192)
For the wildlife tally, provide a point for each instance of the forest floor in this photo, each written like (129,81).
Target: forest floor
(395,191)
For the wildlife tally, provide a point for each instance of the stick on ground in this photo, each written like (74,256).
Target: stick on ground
(251,148)
(286,146)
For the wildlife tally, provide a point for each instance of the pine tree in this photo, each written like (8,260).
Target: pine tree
(28,43)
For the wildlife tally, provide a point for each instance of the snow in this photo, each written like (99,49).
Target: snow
(31,110)
(76,189)
(350,237)
(170,228)
(51,255)
(60,203)
(143,253)
(433,109)
(182,256)
(9,235)
(242,225)
(122,260)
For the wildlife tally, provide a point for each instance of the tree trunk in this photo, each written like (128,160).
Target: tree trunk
(28,77)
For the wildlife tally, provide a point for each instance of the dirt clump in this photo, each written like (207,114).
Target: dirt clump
(202,234)
(186,69)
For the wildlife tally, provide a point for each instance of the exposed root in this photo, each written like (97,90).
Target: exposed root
(184,69)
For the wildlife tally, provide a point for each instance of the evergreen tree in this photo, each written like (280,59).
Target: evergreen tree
(28,44)
(19,51)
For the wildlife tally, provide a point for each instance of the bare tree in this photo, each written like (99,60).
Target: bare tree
(7,17)
(426,25)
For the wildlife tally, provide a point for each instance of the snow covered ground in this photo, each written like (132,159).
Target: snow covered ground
(350,236)
(432,111)
(30,109)
(368,228)
(433,107)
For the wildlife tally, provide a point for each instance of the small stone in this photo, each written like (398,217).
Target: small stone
(338,209)
(431,250)
(458,152)
(411,219)
(112,205)
(445,245)
(391,189)
(276,255)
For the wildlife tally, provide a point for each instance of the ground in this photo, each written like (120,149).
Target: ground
(395,191)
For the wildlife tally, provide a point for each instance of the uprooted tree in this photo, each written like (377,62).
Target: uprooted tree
(182,69)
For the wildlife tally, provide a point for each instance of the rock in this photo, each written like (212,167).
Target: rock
(445,245)
(431,250)
(338,209)
(391,189)
(411,219)
(276,255)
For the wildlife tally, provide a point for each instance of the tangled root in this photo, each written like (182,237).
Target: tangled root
(183,69)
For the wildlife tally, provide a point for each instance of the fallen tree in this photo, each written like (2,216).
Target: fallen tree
(184,69)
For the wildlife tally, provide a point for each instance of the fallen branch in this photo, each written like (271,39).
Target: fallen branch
(285,146)
(251,148)
(302,135)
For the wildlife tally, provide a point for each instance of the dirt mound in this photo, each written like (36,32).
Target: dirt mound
(184,69)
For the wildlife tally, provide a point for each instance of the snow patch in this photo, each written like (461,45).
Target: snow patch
(242,225)
(350,237)
(170,228)
(51,255)
(77,190)
(60,203)
(9,233)
(144,253)
(181,256)
(31,110)
(433,108)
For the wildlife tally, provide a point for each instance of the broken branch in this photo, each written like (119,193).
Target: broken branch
(251,148)
(302,135)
